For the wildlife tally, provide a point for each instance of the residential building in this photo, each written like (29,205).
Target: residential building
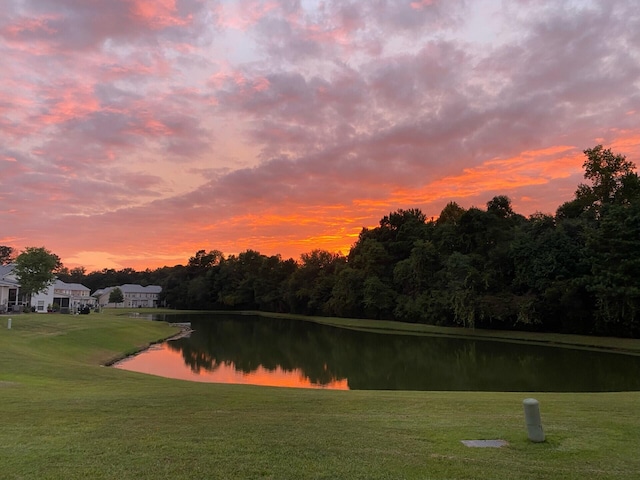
(67,297)
(9,290)
(134,296)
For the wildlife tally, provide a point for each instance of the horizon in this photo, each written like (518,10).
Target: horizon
(134,133)
(226,255)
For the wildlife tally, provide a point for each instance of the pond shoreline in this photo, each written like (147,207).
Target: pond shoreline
(626,346)
(185,331)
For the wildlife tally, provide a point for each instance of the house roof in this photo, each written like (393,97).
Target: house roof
(7,279)
(69,286)
(129,288)
(133,288)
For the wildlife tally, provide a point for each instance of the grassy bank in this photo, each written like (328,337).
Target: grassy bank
(624,345)
(62,415)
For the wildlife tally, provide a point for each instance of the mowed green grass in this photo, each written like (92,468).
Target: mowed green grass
(64,416)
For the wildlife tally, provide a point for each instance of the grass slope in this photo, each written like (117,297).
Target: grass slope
(63,416)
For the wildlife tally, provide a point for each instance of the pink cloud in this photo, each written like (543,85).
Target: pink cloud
(159,14)
(31,27)
(421,4)
(75,24)
(246,14)
(69,101)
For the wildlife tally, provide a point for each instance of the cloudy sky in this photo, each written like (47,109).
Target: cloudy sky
(135,132)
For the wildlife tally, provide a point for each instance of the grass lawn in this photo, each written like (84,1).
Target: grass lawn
(64,416)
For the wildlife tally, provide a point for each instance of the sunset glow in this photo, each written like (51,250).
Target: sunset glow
(161,360)
(134,133)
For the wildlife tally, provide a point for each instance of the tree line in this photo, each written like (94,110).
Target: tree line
(577,271)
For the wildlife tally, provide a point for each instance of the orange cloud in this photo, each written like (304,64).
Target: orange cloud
(537,167)
(158,13)
(627,141)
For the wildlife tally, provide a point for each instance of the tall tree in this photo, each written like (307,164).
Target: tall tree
(346,296)
(203,261)
(446,235)
(35,269)
(611,175)
(612,252)
(116,296)
(75,275)
(451,213)
(310,285)
(6,254)
(500,206)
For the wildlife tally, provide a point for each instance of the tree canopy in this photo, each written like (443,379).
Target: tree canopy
(116,296)
(6,254)
(35,269)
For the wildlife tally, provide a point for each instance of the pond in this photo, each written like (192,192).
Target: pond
(279,352)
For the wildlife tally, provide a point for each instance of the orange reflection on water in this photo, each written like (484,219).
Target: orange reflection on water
(162,361)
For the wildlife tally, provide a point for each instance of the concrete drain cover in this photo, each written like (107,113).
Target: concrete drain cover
(485,443)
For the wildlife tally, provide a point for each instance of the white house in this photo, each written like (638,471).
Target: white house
(68,296)
(9,289)
(134,296)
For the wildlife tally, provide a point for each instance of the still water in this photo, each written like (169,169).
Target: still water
(278,352)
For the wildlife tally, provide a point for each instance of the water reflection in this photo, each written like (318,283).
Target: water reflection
(269,351)
(168,362)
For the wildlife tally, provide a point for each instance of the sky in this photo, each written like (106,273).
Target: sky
(134,133)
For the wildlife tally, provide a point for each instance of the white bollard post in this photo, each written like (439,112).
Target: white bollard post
(532,419)
(9,324)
